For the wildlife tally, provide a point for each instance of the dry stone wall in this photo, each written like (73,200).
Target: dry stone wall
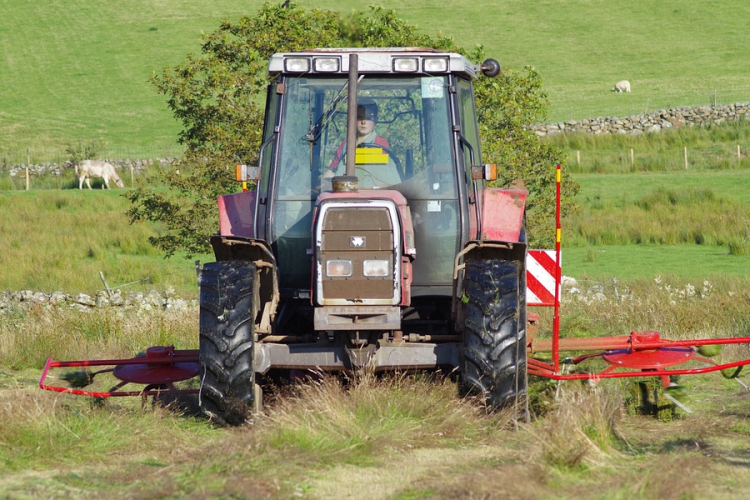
(51,168)
(103,299)
(651,122)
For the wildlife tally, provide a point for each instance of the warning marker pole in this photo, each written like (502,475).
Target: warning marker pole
(558,282)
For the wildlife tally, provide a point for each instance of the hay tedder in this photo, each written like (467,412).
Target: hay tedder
(370,240)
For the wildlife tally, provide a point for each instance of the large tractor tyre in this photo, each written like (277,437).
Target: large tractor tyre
(494,336)
(228,305)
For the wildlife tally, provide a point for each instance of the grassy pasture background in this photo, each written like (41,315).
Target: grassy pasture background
(60,240)
(692,226)
(79,69)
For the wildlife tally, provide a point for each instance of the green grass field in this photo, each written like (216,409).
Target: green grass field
(687,149)
(61,239)
(56,240)
(78,70)
(375,437)
(647,224)
(651,248)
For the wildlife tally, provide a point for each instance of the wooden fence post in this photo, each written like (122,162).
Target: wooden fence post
(28,162)
(632,159)
(578,157)
(686,162)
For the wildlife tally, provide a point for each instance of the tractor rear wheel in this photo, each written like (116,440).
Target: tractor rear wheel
(228,305)
(494,350)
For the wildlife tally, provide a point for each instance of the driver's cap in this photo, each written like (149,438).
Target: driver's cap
(367,110)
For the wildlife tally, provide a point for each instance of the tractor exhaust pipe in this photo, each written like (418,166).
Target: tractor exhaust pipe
(351,122)
(349,182)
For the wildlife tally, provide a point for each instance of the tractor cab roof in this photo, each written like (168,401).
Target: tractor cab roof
(382,61)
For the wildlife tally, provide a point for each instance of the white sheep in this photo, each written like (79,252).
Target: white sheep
(92,168)
(622,86)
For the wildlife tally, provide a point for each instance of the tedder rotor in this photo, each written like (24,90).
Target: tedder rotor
(369,239)
(639,354)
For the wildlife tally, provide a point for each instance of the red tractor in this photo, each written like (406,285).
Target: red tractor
(370,238)
(370,241)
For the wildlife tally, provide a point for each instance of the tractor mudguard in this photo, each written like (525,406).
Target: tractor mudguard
(502,238)
(237,214)
(239,249)
(236,242)
(502,214)
(503,235)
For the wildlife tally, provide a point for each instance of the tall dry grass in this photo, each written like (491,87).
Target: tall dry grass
(696,215)
(29,335)
(368,437)
(580,431)
(674,307)
(351,420)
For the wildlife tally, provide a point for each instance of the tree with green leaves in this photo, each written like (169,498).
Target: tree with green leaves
(218,97)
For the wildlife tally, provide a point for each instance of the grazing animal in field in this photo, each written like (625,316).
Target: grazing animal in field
(95,168)
(622,86)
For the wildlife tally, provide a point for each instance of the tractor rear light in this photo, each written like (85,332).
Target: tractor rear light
(435,64)
(243,173)
(490,172)
(297,64)
(376,268)
(327,64)
(240,173)
(487,172)
(339,268)
(406,65)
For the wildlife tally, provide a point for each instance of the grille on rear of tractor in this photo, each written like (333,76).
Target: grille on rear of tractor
(358,255)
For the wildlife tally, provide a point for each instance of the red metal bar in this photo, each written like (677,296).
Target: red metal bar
(611,343)
(542,369)
(175,356)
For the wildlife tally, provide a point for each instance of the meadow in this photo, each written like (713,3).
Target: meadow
(83,74)
(392,437)
(654,246)
(686,149)
(387,437)
(61,240)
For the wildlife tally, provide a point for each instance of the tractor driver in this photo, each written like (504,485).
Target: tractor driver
(367,118)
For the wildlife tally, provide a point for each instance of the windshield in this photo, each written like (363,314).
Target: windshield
(403,143)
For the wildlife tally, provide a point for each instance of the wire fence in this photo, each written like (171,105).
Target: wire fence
(33,155)
(667,158)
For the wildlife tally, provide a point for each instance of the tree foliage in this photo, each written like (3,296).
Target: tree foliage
(218,96)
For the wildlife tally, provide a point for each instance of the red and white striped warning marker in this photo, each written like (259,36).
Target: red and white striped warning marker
(540,278)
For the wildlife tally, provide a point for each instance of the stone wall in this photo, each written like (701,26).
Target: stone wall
(651,122)
(84,302)
(122,166)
